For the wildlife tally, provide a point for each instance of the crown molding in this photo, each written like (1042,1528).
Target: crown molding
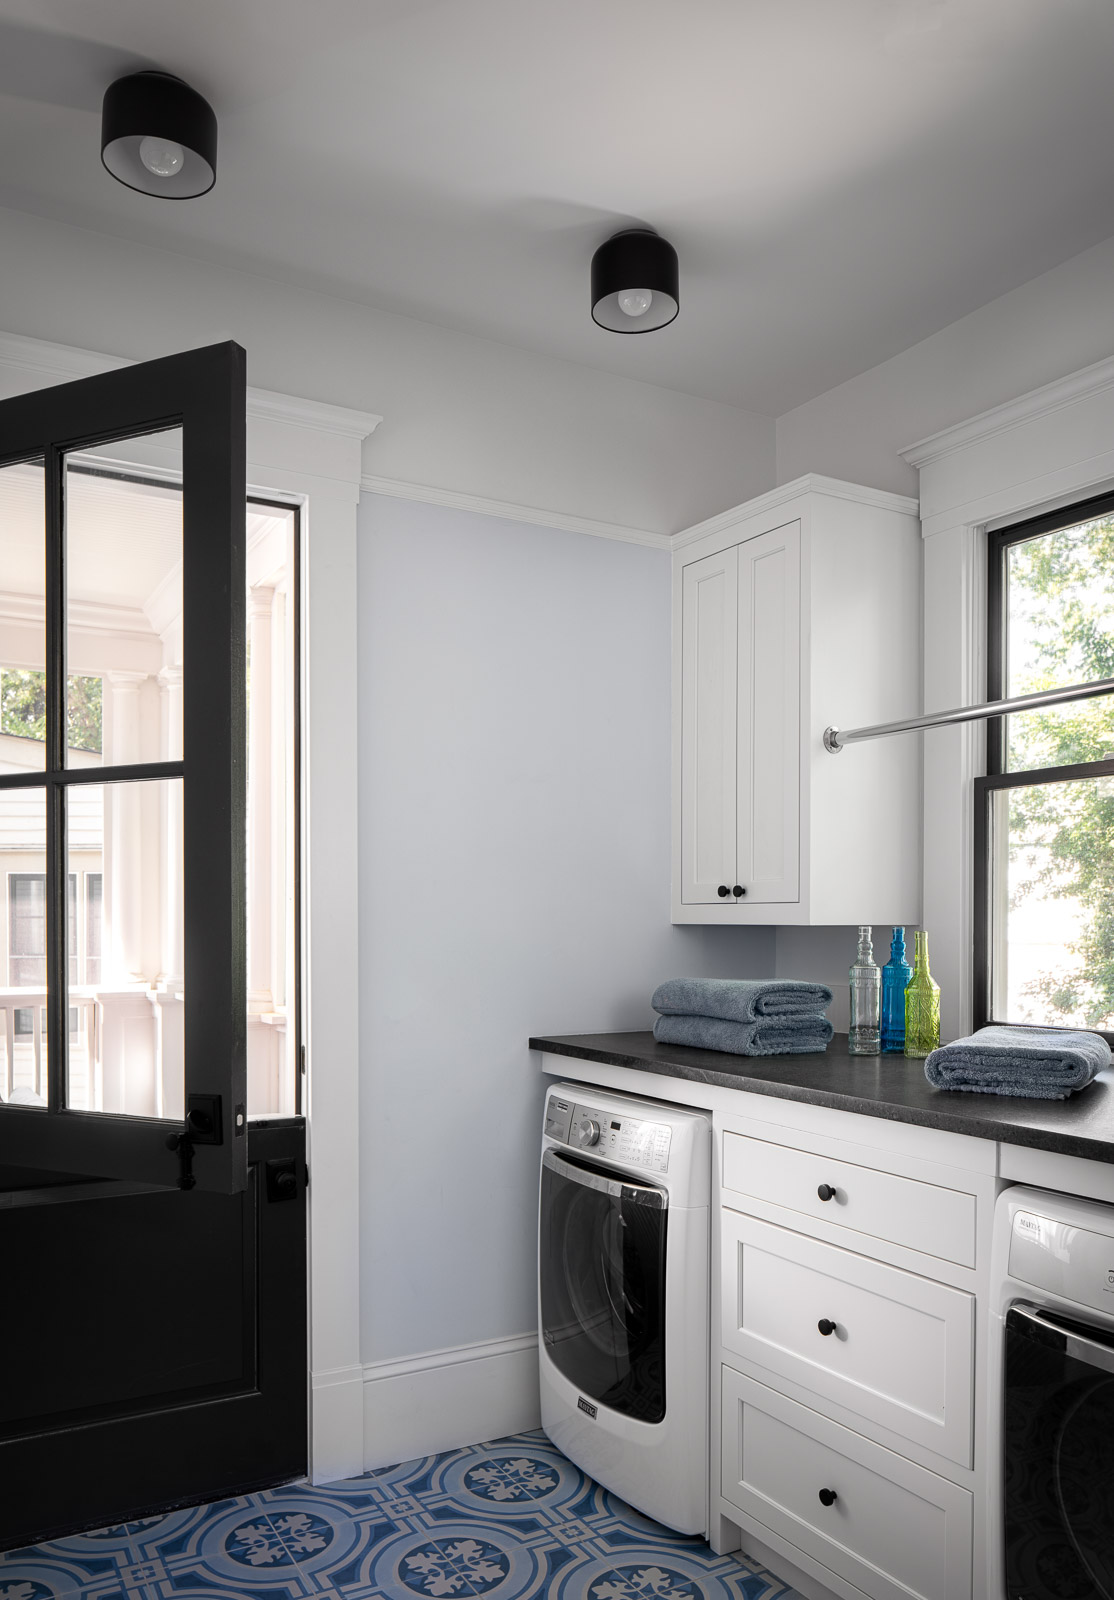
(268,405)
(61,363)
(1042,402)
(810,483)
(510,512)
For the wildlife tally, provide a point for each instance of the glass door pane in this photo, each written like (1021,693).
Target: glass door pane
(127,980)
(22,617)
(124,602)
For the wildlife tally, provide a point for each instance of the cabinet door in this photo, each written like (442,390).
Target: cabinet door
(769,716)
(709,716)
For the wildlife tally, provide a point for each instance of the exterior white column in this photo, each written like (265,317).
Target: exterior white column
(123,837)
(259,886)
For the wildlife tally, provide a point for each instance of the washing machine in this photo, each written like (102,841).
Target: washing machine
(1051,1386)
(623,1296)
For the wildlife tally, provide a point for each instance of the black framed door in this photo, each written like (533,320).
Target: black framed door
(155,1242)
(196,400)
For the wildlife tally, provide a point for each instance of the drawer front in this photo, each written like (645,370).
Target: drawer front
(900,1353)
(922,1216)
(894,1529)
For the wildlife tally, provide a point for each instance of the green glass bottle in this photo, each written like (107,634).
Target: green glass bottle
(922,1005)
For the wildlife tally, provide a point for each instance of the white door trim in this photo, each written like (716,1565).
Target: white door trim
(309,453)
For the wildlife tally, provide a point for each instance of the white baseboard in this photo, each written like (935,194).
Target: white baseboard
(418,1405)
(337,1424)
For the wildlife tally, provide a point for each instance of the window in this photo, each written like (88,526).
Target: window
(27,928)
(1044,852)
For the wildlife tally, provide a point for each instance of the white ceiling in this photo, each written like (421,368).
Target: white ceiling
(840,177)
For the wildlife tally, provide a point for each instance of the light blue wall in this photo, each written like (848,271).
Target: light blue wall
(514,879)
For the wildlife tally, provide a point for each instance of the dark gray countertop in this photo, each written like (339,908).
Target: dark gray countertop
(875,1086)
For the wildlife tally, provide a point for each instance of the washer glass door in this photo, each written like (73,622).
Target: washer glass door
(602,1278)
(1059,1457)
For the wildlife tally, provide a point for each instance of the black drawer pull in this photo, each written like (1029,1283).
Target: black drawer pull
(826,1326)
(826,1192)
(828,1497)
(738,890)
(723,891)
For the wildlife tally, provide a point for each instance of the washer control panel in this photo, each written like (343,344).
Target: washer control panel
(631,1141)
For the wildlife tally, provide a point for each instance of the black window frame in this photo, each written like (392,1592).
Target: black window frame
(203,392)
(997,778)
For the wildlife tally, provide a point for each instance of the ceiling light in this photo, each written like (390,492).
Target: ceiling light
(159,136)
(634,282)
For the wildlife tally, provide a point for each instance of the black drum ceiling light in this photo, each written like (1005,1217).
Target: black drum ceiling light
(159,136)
(634,282)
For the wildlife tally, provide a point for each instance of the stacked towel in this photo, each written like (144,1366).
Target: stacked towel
(1033,1063)
(745,1017)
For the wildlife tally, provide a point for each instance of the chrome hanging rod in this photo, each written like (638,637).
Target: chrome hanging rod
(836,738)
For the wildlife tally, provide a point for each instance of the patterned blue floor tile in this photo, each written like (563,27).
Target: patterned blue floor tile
(508,1520)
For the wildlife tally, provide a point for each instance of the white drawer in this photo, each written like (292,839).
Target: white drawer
(894,1529)
(902,1351)
(922,1216)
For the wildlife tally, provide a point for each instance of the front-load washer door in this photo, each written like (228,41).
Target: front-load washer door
(1058,1457)
(602,1279)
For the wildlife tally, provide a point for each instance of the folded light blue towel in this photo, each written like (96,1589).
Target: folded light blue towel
(778,1036)
(740,999)
(1031,1063)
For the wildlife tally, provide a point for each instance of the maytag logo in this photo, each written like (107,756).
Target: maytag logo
(586,1406)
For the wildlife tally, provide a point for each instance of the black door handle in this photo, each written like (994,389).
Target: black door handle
(738,890)
(828,1497)
(723,891)
(826,1326)
(826,1192)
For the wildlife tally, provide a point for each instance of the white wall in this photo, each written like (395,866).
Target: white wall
(514,879)
(459,413)
(1053,325)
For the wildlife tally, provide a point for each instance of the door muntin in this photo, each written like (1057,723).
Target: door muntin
(1058,1457)
(602,1284)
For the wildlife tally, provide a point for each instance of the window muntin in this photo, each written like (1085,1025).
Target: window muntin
(1044,922)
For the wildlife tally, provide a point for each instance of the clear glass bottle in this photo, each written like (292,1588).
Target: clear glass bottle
(895,980)
(922,1005)
(863,1038)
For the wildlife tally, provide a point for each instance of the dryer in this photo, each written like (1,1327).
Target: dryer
(1051,1385)
(623,1294)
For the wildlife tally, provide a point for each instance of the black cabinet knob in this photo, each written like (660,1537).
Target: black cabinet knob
(723,891)
(738,890)
(826,1326)
(828,1497)
(825,1192)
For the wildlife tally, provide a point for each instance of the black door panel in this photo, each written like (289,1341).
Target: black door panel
(167,1360)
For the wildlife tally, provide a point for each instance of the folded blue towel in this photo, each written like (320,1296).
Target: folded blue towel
(778,1036)
(1032,1063)
(740,999)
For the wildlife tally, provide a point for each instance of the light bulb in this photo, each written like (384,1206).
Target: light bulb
(161,156)
(636,302)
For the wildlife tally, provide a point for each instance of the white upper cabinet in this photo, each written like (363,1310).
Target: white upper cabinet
(793,612)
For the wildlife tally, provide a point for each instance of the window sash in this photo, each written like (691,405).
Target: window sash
(997,777)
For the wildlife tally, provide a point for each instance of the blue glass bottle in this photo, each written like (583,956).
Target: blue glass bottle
(895,979)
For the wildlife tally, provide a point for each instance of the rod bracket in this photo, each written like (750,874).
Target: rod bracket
(832,741)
